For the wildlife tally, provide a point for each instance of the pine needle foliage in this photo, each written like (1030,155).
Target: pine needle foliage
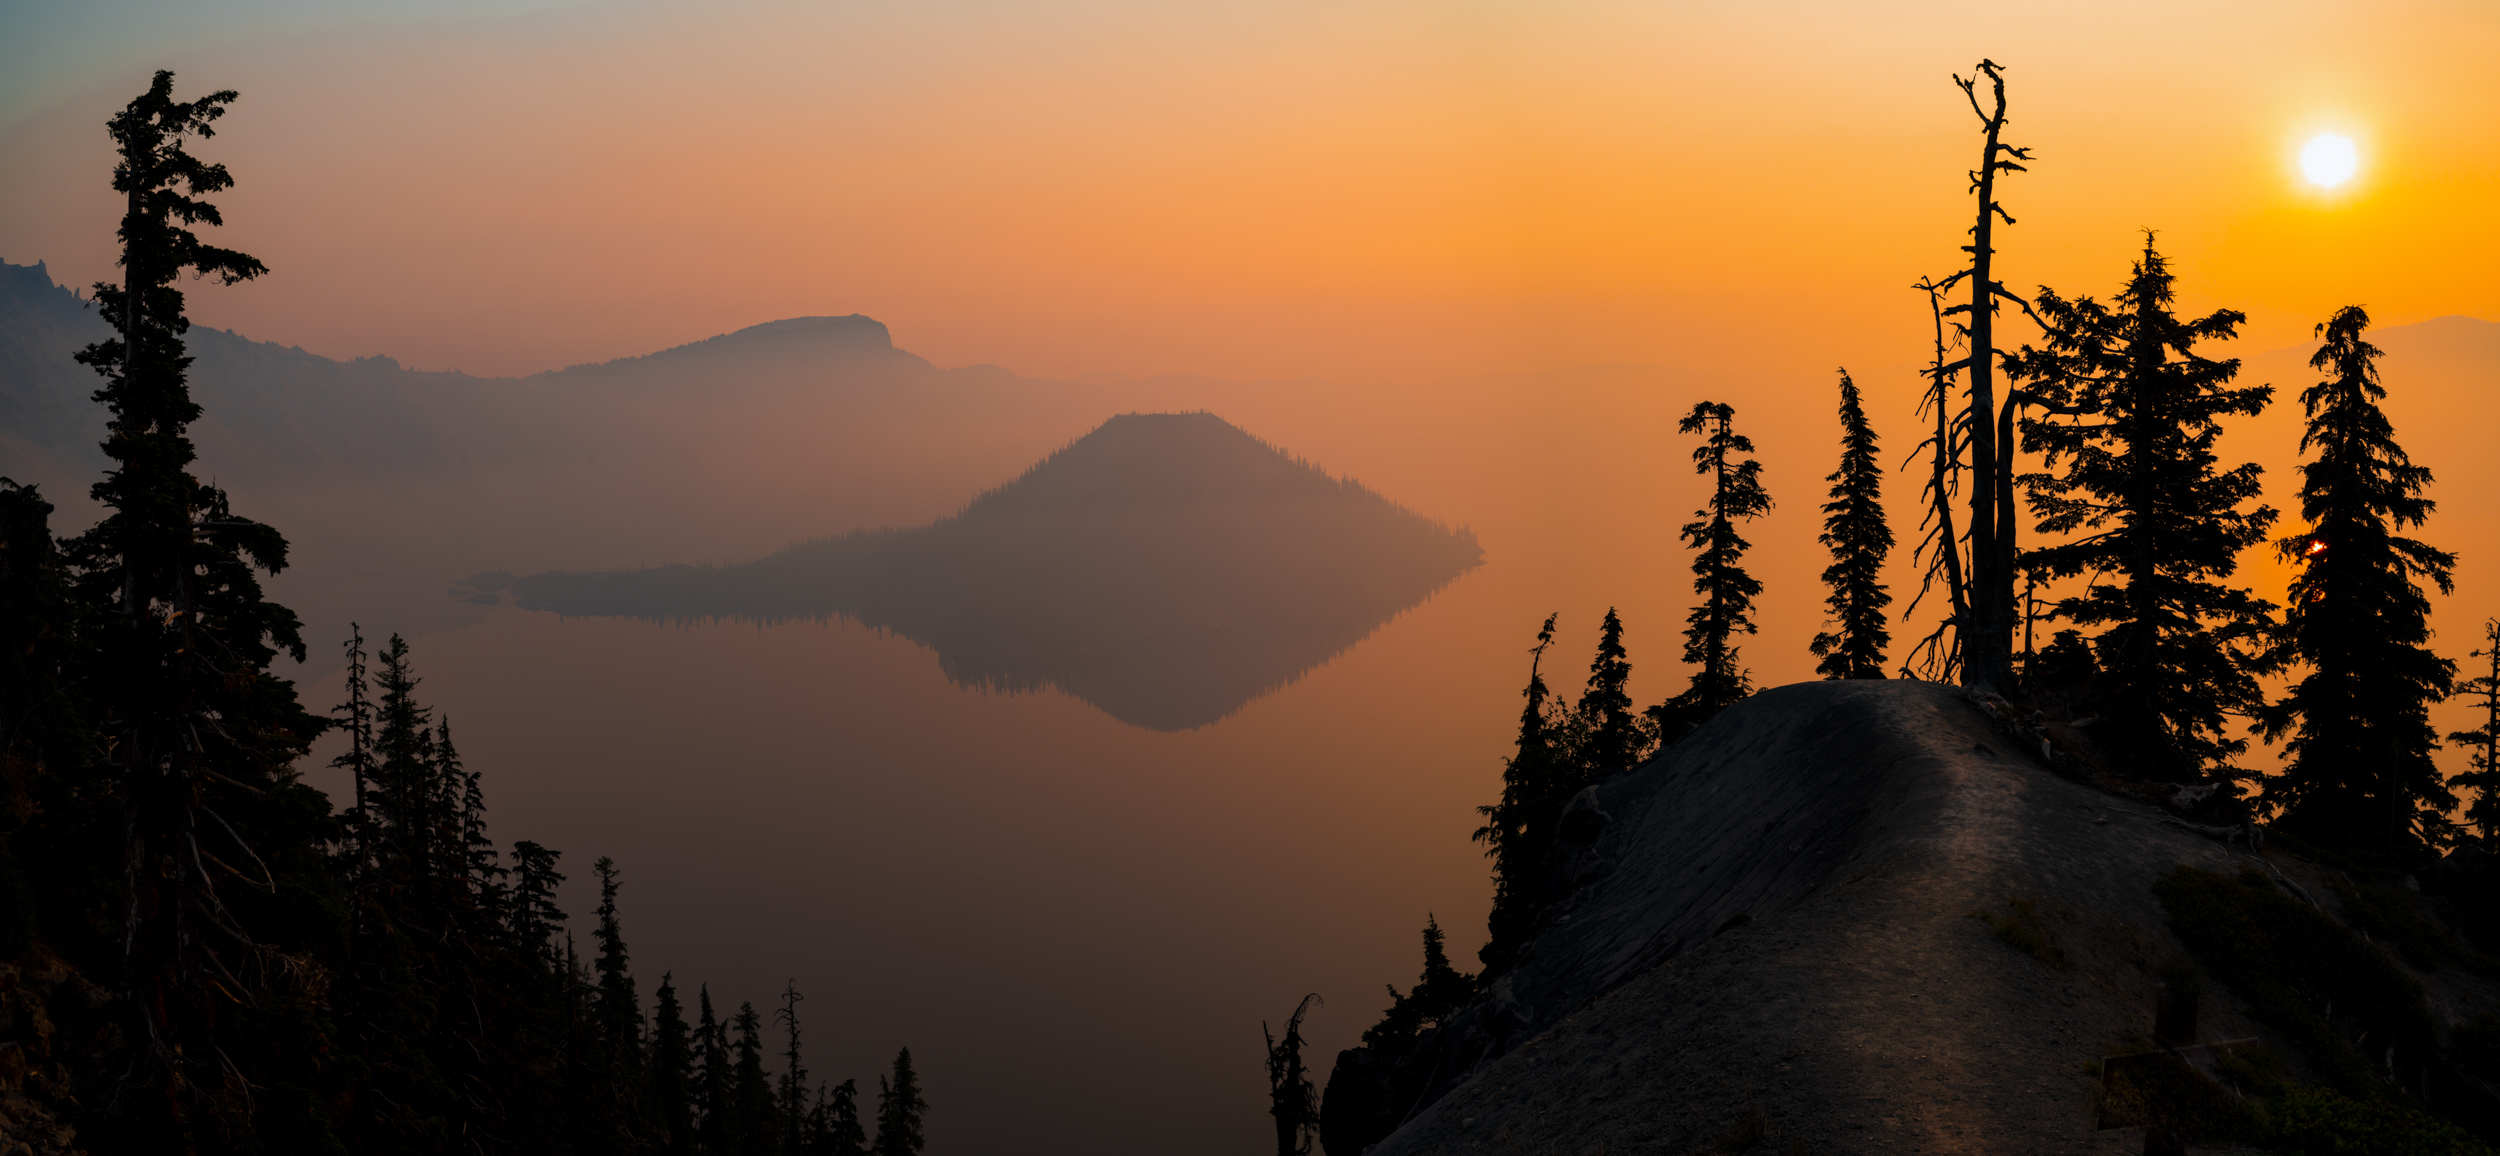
(2482,816)
(1726,590)
(2149,517)
(1518,828)
(2359,738)
(1611,740)
(1860,539)
(900,1110)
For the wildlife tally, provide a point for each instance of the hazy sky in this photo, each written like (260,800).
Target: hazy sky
(1734,197)
(1361,190)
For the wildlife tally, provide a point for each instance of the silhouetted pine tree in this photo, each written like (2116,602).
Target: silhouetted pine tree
(1518,828)
(1610,737)
(792,1094)
(1939,655)
(751,1116)
(1292,1101)
(899,1110)
(2163,527)
(671,1081)
(195,733)
(358,759)
(1859,538)
(1441,990)
(716,1079)
(844,1136)
(535,916)
(403,743)
(616,1067)
(2359,770)
(2483,814)
(1726,609)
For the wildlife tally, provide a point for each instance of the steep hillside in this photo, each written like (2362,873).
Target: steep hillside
(1167,568)
(1861,917)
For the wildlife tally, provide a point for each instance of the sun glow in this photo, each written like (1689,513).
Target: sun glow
(2329,160)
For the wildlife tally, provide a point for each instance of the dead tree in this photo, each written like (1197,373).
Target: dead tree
(1293,1101)
(1985,630)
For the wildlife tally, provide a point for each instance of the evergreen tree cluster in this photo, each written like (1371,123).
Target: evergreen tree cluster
(222,962)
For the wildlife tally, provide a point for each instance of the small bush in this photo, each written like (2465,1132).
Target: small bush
(2024,929)
(2317,1122)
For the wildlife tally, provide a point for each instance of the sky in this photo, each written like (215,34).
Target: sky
(1456,208)
(1357,191)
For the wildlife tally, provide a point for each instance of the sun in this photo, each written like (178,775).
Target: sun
(2329,160)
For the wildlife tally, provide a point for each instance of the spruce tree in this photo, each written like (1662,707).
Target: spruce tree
(535,916)
(195,732)
(672,1068)
(2483,814)
(1610,737)
(716,1078)
(750,1123)
(2161,525)
(899,1110)
(1518,828)
(1727,591)
(844,1134)
(403,742)
(1438,992)
(1859,539)
(2359,770)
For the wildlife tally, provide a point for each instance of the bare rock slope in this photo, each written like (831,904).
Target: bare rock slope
(1781,941)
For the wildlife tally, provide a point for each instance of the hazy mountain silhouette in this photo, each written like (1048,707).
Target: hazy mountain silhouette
(1167,568)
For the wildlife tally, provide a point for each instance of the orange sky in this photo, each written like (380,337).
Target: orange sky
(1380,191)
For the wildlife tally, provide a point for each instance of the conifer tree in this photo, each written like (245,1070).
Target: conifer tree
(2482,816)
(1610,734)
(1727,591)
(1939,550)
(358,759)
(672,1068)
(1859,539)
(793,1092)
(844,1135)
(1518,828)
(2162,526)
(2359,770)
(1441,990)
(899,1110)
(619,1011)
(750,1114)
(196,734)
(535,916)
(403,743)
(1292,1101)
(716,1078)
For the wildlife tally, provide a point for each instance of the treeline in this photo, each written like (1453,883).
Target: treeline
(2151,642)
(198,953)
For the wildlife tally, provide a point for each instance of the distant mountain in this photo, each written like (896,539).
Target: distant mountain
(1168,568)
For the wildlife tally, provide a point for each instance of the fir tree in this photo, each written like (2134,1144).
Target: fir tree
(1518,828)
(1441,990)
(2162,526)
(2359,769)
(672,1067)
(1726,609)
(403,743)
(197,735)
(358,759)
(2483,815)
(716,1078)
(844,1136)
(535,915)
(793,1092)
(899,1110)
(1610,736)
(750,1112)
(1859,538)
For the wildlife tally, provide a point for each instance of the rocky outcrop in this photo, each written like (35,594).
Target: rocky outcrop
(1770,932)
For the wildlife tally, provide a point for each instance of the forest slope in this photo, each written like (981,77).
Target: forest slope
(1870,835)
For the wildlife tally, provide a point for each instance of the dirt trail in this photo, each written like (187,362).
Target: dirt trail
(1872,1012)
